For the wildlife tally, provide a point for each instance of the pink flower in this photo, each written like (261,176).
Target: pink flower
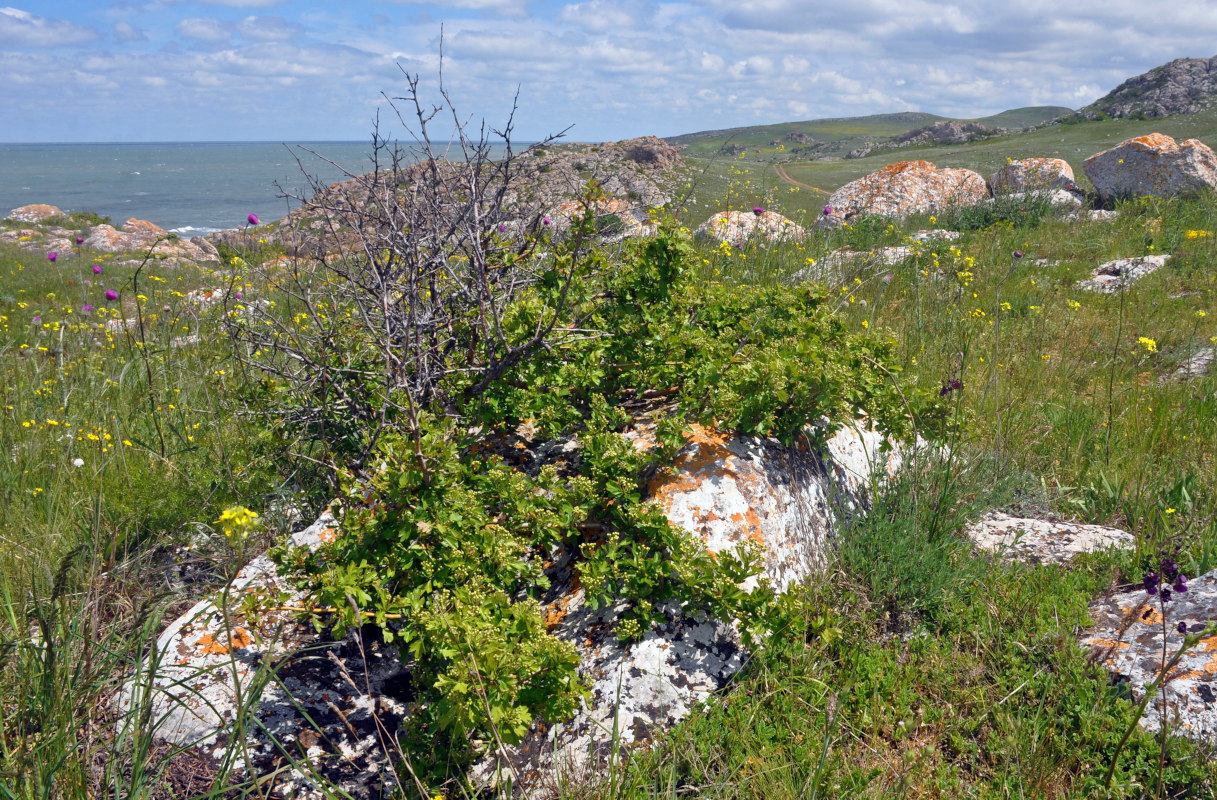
(237,295)
(97,269)
(827,210)
(545,221)
(86,308)
(51,256)
(758,211)
(111,294)
(253,219)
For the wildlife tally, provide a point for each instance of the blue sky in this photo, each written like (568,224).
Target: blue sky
(296,70)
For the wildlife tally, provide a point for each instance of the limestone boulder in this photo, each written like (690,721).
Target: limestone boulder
(1128,639)
(1040,541)
(139,235)
(1045,175)
(738,227)
(1112,276)
(1152,165)
(35,212)
(730,491)
(904,188)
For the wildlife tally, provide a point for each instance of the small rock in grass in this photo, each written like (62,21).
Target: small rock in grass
(1041,541)
(1110,277)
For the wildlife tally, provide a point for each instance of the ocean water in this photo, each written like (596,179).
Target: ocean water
(185,187)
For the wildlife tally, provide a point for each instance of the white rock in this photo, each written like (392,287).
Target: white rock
(1110,277)
(1041,541)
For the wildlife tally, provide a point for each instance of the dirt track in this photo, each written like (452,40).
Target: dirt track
(784,175)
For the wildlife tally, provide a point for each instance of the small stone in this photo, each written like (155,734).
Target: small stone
(1042,541)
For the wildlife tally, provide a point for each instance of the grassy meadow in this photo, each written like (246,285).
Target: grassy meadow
(917,668)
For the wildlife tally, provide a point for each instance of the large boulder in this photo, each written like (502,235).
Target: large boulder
(1152,165)
(35,212)
(738,227)
(1032,175)
(1128,640)
(138,235)
(907,187)
(730,491)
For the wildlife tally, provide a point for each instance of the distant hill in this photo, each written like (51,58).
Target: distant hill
(837,136)
(1182,86)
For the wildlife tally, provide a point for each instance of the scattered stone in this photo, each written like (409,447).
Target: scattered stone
(36,212)
(1152,165)
(1057,198)
(738,227)
(937,234)
(905,188)
(1033,175)
(1039,541)
(1109,278)
(1128,639)
(1199,365)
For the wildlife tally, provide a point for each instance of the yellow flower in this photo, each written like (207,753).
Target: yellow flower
(1150,345)
(1170,511)
(237,522)
(865,325)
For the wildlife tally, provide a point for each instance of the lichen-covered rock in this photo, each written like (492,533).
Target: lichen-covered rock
(935,235)
(1041,541)
(35,212)
(905,188)
(140,235)
(1199,365)
(729,491)
(1110,277)
(738,227)
(1045,175)
(1128,638)
(1152,165)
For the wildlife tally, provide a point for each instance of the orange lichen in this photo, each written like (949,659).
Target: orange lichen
(1108,643)
(1157,140)
(208,646)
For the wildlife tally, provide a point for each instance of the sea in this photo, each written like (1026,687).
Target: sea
(188,188)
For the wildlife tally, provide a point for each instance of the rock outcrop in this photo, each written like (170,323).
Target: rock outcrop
(1040,541)
(1152,165)
(730,492)
(35,212)
(1182,86)
(1128,640)
(1044,175)
(738,227)
(946,132)
(140,235)
(905,188)
(1112,276)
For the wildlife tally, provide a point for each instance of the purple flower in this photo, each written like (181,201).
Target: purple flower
(1018,253)
(97,269)
(51,256)
(950,386)
(1170,570)
(1166,594)
(80,240)
(827,210)
(1181,627)
(758,211)
(887,278)
(37,319)
(1180,585)
(111,294)
(545,221)
(86,309)
(1150,582)
(237,295)
(253,219)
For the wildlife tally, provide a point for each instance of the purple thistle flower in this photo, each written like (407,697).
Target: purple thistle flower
(237,295)
(253,219)
(887,278)
(758,211)
(80,240)
(545,221)
(502,227)
(1181,627)
(827,210)
(86,308)
(37,319)
(1018,253)
(97,269)
(51,256)
(111,294)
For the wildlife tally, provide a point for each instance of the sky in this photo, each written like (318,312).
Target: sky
(299,70)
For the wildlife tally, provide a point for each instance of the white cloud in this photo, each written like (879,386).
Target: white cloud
(268,29)
(126,33)
(22,29)
(600,16)
(204,29)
